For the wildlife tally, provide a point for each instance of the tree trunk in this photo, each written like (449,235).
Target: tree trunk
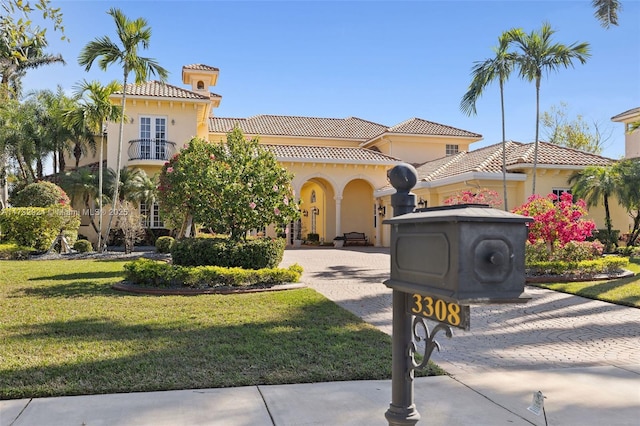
(535,148)
(504,145)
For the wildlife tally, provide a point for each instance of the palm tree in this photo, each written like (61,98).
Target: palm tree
(499,67)
(93,111)
(132,35)
(595,184)
(606,11)
(538,54)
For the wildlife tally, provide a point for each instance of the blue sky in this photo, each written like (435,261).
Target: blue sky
(383,61)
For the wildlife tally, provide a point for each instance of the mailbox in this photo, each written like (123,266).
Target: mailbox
(467,254)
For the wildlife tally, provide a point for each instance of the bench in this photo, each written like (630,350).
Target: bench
(355,237)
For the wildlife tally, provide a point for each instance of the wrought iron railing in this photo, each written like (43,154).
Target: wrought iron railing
(151,149)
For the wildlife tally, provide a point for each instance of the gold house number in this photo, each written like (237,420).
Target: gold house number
(439,310)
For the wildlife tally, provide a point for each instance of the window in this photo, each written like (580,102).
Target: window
(451,150)
(313,196)
(151,217)
(200,85)
(153,138)
(559,191)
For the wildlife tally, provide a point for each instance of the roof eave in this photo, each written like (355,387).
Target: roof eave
(381,135)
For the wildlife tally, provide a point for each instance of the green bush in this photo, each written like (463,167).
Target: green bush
(14,252)
(40,194)
(252,254)
(163,244)
(83,246)
(573,251)
(38,227)
(584,268)
(161,274)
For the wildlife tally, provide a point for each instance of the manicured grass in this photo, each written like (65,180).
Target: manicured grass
(64,331)
(624,291)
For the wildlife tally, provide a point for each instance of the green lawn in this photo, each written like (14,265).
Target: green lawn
(64,331)
(624,291)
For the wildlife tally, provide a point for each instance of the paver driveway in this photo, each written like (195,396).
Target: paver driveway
(553,330)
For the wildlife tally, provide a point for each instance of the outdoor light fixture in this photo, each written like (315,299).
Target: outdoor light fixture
(173,122)
(382,210)
(305,213)
(316,211)
(422,203)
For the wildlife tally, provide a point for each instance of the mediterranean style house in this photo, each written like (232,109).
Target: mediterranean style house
(339,164)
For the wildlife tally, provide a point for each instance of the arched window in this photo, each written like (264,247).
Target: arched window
(313,196)
(200,85)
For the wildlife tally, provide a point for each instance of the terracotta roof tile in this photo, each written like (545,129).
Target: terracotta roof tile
(424,127)
(330,154)
(159,89)
(338,128)
(200,67)
(489,160)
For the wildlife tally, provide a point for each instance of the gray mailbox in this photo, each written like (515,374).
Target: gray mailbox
(466,254)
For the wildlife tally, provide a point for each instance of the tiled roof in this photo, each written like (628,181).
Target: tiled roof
(282,125)
(489,160)
(629,113)
(336,128)
(160,89)
(329,154)
(423,127)
(200,67)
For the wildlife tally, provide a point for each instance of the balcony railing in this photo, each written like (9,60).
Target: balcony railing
(151,149)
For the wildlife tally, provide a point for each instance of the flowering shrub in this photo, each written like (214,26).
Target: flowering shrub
(561,221)
(230,187)
(38,227)
(482,196)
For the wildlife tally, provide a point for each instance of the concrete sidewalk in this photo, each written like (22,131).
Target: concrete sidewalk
(581,396)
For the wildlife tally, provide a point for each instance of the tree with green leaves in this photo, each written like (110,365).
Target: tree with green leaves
(132,35)
(628,171)
(82,186)
(94,110)
(594,185)
(576,133)
(484,73)
(231,187)
(538,53)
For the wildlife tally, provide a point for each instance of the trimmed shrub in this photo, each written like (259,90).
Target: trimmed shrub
(153,273)
(251,254)
(14,252)
(40,194)
(585,268)
(38,227)
(573,251)
(83,246)
(163,244)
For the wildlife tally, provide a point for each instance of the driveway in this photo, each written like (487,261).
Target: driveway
(553,330)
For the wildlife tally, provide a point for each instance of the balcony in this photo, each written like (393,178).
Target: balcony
(150,151)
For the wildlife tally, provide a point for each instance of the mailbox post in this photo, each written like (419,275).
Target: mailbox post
(443,260)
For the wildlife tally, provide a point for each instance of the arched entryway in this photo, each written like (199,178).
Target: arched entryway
(357,209)
(317,205)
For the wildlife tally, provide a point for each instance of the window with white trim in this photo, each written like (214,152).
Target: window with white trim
(151,216)
(451,149)
(153,135)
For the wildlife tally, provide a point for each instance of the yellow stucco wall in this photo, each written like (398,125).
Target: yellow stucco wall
(417,150)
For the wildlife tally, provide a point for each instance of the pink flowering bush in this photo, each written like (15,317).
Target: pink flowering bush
(556,224)
(482,196)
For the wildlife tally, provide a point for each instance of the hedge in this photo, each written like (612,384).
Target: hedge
(154,273)
(251,254)
(14,252)
(38,227)
(585,268)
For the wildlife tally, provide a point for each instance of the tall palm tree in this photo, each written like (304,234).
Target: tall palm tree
(595,184)
(132,35)
(94,109)
(538,53)
(606,11)
(484,73)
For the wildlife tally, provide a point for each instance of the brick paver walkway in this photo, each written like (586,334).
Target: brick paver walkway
(553,330)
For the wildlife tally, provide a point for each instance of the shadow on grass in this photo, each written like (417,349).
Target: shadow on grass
(313,341)
(79,288)
(81,276)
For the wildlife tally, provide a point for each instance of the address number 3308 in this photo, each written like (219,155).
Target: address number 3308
(439,310)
